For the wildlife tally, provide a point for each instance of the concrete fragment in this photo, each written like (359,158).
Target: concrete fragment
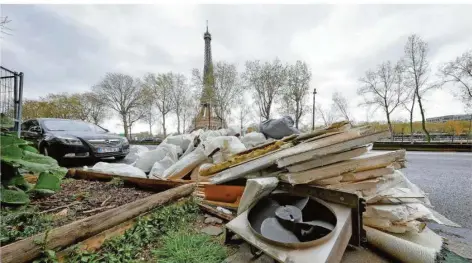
(213,220)
(212,230)
(256,189)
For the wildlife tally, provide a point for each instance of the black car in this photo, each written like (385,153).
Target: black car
(64,138)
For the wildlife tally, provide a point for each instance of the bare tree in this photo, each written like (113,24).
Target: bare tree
(227,88)
(417,69)
(327,115)
(244,113)
(178,90)
(149,115)
(3,25)
(161,86)
(294,93)
(121,93)
(266,81)
(190,109)
(409,105)
(384,88)
(459,71)
(135,115)
(341,105)
(94,107)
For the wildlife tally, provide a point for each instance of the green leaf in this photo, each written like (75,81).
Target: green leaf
(48,183)
(11,152)
(13,197)
(29,148)
(11,140)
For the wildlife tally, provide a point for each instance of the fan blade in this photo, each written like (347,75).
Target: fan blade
(272,229)
(301,203)
(318,223)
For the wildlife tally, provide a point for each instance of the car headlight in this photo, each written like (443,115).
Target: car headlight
(69,140)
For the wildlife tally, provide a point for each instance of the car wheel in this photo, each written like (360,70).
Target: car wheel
(47,152)
(119,158)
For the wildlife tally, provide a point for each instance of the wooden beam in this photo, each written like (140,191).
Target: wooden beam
(214,211)
(325,160)
(270,159)
(362,163)
(28,249)
(333,148)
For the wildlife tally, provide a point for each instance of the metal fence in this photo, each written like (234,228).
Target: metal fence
(11,98)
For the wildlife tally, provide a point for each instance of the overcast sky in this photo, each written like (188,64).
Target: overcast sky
(69,48)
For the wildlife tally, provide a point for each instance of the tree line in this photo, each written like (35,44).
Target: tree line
(273,85)
(403,84)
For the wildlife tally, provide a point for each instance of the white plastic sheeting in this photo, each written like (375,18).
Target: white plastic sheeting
(182,140)
(253,139)
(159,167)
(228,145)
(118,169)
(146,161)
(186,164)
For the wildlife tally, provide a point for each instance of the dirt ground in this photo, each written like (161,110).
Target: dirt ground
(81,198)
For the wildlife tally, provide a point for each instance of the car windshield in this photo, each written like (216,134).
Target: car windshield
(72,125)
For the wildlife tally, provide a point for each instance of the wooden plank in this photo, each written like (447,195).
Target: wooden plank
(153,184)
(90,175)
(362,163)
(28,249)
(355,186)
(359,176)
(95,242)
(330,149)
(269,160)
(223,193)
(325,160)
(214,211)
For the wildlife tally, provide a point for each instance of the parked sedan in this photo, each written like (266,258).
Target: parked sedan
(64,138)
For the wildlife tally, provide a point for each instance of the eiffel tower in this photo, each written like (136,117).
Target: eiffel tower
(207,117)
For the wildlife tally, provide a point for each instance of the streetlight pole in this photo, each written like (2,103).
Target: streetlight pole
(313,121)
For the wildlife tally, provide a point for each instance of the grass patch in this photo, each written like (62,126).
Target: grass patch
(20,223)
(143,236)
(187,247)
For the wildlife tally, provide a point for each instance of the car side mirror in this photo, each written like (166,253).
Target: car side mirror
(36,129)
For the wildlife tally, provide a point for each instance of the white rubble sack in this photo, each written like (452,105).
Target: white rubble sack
(182,140)
(118,169)
(396,188)
(253,139)
(207,135)
(136,151)
(256,189)
(186,164)
(148,159)
(159,167)
(229,145)
(421,247)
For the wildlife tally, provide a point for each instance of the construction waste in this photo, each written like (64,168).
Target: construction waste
(235,172)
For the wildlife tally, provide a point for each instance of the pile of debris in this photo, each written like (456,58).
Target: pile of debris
(299,197)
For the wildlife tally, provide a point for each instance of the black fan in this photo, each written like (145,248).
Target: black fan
(291,221)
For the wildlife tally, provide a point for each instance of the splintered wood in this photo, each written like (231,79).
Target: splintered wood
(365,162)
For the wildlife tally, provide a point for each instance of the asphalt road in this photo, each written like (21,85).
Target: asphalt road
(447,178)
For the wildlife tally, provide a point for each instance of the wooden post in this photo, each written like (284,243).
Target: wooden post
(27,249)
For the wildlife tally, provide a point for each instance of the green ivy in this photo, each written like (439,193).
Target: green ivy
(146,232)
(17,224)
(17,157)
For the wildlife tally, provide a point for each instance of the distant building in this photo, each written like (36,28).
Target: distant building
(206,117)
(459,117)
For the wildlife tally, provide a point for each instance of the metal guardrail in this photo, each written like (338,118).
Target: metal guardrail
(11,96)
